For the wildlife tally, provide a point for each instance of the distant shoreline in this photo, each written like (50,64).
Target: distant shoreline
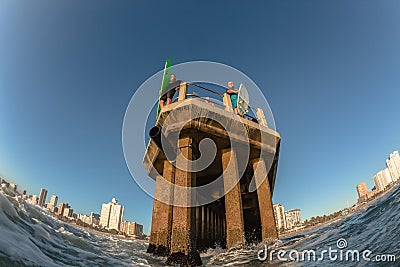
(363,205)
(105,233)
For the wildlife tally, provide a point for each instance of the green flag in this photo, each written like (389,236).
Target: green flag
(165,81)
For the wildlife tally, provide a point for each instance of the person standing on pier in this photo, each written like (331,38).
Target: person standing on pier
(233,93)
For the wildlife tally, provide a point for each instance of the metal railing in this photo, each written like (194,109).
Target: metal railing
(257,114)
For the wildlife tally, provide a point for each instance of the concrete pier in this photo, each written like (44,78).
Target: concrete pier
(181,232)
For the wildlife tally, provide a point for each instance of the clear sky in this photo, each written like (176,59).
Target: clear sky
(329,69)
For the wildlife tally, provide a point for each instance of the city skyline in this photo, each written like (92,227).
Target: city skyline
(111,213)
(114,220)
(329,73)
(383,179)
(392,161)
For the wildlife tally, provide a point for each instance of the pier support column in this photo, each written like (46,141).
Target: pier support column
(203,224)
(212,227)
(233,199)
(208,225)
(183,251)
(268,228)
(162,213)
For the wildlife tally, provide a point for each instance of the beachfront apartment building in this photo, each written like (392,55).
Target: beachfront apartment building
(111,215)
(33,200)
(393,164)
(42,197)
(52,205)
(61,207)
(362,191)
(68,212)
(279,214)
(382,179)
(387,178)
(95,217)
(131,229)
(53,200)
(85,218)
(293,218)
(379,183)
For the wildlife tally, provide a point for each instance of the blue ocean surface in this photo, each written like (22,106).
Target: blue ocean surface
(29,236)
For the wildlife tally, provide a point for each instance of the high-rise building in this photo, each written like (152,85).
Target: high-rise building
(34,200)
(42,197)
(131,229)
(53,200)
(111,215)
(293,218)
(85,219)
(68,212)
(393,164)
(382,179)
(279,214)
(388,178)
(61,208)
(362,191)
(52,205)
(105,215)
(378,180)
(95,217)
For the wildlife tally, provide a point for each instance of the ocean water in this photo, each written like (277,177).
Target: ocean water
(31,237)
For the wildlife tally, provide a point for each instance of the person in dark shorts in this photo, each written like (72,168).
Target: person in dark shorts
(170,91)
(233,93)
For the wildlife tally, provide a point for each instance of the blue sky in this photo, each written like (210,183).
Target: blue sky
(329,69)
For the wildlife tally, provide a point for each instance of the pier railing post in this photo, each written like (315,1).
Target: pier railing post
(261,117)
(182,91)
(227,102)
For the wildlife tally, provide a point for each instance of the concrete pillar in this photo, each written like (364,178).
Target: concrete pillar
(212,225)
(162,213)
(223,228)
(233,199)
(215,227)
(183,251)
(268,228)
(209,228)
(220,227)
(203,224)
(198,223)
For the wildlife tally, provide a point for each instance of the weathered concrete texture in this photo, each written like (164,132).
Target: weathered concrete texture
(268,228)
(183,250)
(233,201)
(162,213)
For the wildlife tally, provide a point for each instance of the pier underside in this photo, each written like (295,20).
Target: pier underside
(242,214)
